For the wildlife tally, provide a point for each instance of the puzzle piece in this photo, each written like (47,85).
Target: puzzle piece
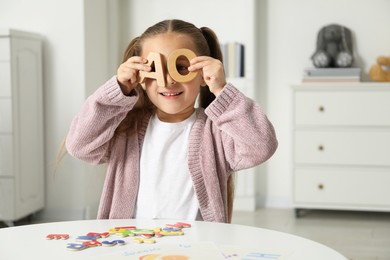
(179,225)
(172,233)
(99,235)
(140,240)
(183,225)
(126,227)
(113,243)
(158,234)
(143,231)
(86,238)
(57,236)
(146,235)
(92,243)
(76,247)
(157,229)
(171,229)
(117,230)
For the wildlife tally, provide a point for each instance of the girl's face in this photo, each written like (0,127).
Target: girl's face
(175,102)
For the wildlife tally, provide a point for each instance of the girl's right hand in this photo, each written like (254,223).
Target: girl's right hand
(127,73)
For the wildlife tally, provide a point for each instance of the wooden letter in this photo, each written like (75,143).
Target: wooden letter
(172,69)
(155,61)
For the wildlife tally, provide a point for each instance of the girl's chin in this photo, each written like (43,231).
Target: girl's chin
(174,115)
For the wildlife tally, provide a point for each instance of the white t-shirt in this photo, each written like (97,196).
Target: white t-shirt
(165,190)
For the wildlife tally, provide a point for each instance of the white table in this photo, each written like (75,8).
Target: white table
(29,241)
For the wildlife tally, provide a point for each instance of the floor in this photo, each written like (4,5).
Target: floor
(356,235)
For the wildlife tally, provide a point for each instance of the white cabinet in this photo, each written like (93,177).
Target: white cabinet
(21,125)
(342,146)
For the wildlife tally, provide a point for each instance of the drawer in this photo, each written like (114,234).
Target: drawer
(5,115)
(6,156)
(347,186)
(5,79)
(356,108)
(5,50)
(7,201)
(364,147)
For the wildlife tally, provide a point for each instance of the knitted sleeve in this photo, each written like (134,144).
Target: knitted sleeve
(248,136)
(93,127)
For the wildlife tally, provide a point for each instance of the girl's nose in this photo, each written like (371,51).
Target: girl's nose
(170,81)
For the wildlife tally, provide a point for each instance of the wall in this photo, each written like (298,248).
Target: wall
(292,30)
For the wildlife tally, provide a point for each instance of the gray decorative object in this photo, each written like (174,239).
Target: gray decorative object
(334,47)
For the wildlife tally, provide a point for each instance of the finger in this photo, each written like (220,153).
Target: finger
(137,59)
(199,65)
(137,63)
(136,66)
(125,74)
(133,79)
(199,59)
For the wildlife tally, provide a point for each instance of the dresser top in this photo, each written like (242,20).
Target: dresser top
(343,86)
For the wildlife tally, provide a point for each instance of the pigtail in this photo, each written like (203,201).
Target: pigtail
(212,41)
(132,49)
(205,95)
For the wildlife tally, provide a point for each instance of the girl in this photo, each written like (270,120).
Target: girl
(166,158)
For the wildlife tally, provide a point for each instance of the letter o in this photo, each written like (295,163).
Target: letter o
(172,70)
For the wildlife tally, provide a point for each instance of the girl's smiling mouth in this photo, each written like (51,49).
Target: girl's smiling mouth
(170,94)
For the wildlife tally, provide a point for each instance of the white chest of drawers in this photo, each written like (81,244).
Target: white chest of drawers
(341,148)
(21,125)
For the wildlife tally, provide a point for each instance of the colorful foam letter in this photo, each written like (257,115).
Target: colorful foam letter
(57,236)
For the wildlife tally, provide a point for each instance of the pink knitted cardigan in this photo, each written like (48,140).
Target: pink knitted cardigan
(230,135)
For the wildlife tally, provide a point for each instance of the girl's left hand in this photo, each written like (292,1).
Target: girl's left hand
(212,70)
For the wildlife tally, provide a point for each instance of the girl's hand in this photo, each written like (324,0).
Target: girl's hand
(127,73)
(212,70)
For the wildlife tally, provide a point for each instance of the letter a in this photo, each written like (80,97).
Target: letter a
(155,59)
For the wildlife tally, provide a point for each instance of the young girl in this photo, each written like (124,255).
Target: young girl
(166,158)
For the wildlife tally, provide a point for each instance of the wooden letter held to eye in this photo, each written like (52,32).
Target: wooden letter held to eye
(158,73)
(155,58)
(172,69)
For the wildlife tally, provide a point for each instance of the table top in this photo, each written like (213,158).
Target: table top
(203,240)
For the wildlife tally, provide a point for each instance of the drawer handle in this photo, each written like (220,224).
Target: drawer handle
(320,186)
(321,147)
(321,109)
